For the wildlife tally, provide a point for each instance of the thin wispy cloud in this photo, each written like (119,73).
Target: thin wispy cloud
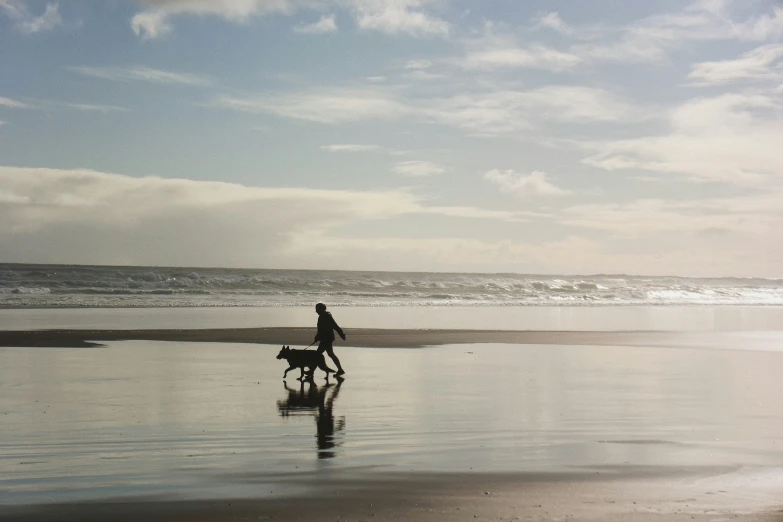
(552,21)
(13,104)
(389,16)
(349,148)
(398,17)
(28,23)
(418,64)
(524,186)
(325,25)
(498,112)
(141,74)
(331,106)
(533,57)
(765,62)
(155,20)
(97,108)
(418,168)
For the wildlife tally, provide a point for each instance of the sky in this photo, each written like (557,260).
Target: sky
(524,136)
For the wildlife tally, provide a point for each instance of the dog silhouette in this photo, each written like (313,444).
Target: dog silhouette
(303,359)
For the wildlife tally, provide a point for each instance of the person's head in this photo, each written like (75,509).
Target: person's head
(320,308)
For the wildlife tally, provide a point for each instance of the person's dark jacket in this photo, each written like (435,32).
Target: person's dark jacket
(326,327)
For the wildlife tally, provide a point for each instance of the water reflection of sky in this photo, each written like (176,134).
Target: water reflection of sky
(192,419)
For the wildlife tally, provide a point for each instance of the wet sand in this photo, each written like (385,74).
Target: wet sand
(616,495)
(384,338)
(145,430)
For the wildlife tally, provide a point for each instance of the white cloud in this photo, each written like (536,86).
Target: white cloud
(534,57)
(153,22)
(398,16)
(141,74)
(552,21)
(376,79)
(419,168)
(654,38)
(418,64)
(28,23)
(349,148)
(97,108)
(532,185)
(12,104)
(92,217)
(333,106)
(420,74)
(389,16)
(325,25)
(504,112)
(488,113)
(732,138)
(10,197)
(761,63)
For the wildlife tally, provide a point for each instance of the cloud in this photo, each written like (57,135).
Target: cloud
(418,64)
(86,216)
(141,74)
(532,185)
(13,104)
(332,106)
(731,138)
(552,21)
(419,168)
(389,16)
(153,22)
(505,112)
(533,57)
(489,113)
(397,16)
(652,39)
(325,25)
(761,63)
(28,23)
(349,148)
(419,74)
(97,108)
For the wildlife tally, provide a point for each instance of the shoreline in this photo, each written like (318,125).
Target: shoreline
(360,337)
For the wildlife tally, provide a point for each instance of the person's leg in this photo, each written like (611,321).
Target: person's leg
(330,351)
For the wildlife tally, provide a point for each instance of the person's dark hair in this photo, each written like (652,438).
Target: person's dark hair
(320,307)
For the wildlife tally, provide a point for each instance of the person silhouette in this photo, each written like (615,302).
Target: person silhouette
(325,336)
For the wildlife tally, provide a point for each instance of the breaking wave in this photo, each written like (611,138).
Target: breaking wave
(46,286)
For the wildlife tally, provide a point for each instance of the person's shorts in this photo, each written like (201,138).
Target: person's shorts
(326,346)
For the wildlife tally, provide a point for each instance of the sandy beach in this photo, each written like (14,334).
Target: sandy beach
(476,425)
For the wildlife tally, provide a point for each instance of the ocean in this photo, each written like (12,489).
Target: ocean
(72,286)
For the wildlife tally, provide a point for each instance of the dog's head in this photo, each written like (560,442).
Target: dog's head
(284,352)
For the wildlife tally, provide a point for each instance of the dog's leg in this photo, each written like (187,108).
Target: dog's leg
(288,370)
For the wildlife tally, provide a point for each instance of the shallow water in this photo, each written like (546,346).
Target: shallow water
(215,420)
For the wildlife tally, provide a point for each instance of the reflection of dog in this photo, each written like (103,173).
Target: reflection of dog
(302,359)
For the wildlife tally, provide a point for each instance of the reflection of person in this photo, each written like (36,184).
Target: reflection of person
(324,421)
(325,335)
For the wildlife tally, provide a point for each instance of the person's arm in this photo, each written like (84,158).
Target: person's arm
(339,330)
